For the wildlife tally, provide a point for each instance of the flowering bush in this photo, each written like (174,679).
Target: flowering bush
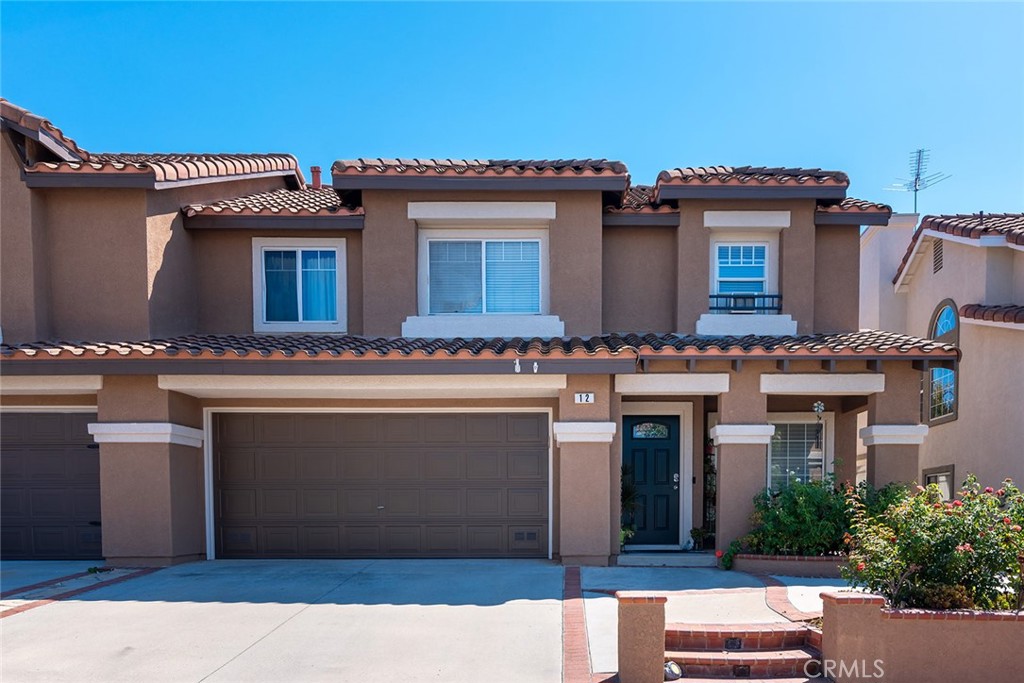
(929,553)
(810,518)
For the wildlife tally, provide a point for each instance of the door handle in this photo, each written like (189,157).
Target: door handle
(380,507)
(675,478)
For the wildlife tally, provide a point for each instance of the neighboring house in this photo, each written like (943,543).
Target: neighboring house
(428,358)
(958,279)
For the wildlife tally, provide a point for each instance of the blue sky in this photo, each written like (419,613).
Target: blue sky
(853,86)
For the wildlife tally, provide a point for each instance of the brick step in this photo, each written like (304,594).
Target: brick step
(772,664)
(734,637)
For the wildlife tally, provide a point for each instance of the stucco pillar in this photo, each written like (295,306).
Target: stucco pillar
(151,473)
(641,637)
(846,447)
(741,436)
(583,435)
(894,433)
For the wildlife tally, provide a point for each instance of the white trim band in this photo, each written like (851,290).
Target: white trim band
(673,383)
(854,384)
(751,220)
(34,385)
(583,432)
(477,213)
(146,432)
(743,434)
(901,435)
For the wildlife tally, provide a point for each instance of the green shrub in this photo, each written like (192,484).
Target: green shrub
(929,553)
(810,518)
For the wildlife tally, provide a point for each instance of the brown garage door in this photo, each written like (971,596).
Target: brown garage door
(50,481)
(392,485)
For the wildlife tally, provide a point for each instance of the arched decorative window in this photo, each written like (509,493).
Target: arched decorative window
(650,430)
(941,383)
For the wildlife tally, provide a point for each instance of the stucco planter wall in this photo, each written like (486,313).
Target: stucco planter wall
(862,640)
(790,565)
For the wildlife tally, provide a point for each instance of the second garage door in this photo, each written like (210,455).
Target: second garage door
(381,485)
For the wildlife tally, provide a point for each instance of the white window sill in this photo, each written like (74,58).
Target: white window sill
(740,324)
(451,326)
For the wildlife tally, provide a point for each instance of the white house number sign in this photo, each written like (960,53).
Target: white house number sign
(586,397)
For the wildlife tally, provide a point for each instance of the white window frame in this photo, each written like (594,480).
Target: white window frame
(259,321)
(736,242)
(426,236)
(828,420)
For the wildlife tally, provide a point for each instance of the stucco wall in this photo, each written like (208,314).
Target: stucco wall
(224,275)
(390,244)
(639,279)
(24,276)
(836,278)
(171,261)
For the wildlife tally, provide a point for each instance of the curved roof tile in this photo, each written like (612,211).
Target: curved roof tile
(479,167)
(744,175)
(307,202)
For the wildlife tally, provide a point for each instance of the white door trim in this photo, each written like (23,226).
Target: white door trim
(208,452)
(684,411)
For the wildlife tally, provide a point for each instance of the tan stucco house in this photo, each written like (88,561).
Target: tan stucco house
(207,356)
(959,279)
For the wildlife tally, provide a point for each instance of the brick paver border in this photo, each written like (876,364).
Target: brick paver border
(41,584)
(73,593)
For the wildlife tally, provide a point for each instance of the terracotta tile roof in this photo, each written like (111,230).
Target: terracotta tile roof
(307,202)
(997,314)
(851,205)
(480,167)
(26,119)
(757,175)
(177,167)
(867,343)
(972,226)
(640,199)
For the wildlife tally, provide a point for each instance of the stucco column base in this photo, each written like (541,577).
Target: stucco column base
(151,496)
(740,477)
(584,515)
(888,463)
(641,637)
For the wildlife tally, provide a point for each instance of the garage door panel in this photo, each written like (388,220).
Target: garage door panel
(276,465)
(484,465)
(238,504)
(528,465)
(320,502)
(236,429)
(443,502)
(444,428)
(402,503)
(85,505)
(360,465)
(319,465)
(397,485)
(88,541)
(362,540)
(279,504)
(443,465)
(14,464)
(401,429)
(401,465)
(486,540)
(51,541)
(485,503)
(276,429)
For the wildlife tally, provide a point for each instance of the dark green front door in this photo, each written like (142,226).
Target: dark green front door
(650,454)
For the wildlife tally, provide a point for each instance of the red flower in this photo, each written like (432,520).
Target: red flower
(958,503)
(1001,492)
(892,539)
(1006,520)
(719,553)
(861,566)
(937,506)
(989,489)
(1015,527)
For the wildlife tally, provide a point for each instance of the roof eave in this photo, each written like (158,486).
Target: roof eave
(134,180)
(51,143)
(694,191)
(275,221)
(609,183)
(852,218)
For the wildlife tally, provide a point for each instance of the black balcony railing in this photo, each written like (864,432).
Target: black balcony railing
(746,303)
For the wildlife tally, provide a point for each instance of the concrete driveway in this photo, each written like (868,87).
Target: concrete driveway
(345,620)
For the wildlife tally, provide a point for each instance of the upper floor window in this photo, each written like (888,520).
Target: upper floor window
(742,268)
(940,401)
(484,276)
(298,285)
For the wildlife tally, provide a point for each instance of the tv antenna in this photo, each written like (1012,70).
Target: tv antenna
(919,178)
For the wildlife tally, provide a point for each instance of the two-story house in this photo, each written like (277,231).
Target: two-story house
(425,358)
(959,279)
